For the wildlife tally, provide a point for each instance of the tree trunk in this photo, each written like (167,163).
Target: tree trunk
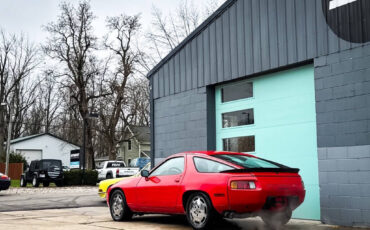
(2,132)
(90,160)
(112,146)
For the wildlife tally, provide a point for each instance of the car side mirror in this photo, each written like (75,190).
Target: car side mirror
(145,173)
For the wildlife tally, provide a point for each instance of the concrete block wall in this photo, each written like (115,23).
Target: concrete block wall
(180,123)
(344,174)
(342,82)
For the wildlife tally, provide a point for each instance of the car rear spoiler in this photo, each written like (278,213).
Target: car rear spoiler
(277,170)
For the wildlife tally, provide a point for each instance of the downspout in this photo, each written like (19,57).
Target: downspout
(152,138)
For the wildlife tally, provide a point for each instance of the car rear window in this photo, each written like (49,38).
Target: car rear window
(115,165)
(248,162)
(208,166)
(49,164)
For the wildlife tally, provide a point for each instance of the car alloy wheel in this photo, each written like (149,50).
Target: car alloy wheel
(198,210)
(118,206)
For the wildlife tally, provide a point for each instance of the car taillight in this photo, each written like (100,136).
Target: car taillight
(4,177)
(243,185)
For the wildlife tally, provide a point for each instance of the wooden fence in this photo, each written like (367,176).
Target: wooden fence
(15,170)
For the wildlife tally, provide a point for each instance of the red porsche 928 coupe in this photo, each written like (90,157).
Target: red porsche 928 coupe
(207,185)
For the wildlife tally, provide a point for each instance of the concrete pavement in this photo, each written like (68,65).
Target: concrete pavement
(23,199)
(98,218)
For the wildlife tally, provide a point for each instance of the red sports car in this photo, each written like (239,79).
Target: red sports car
(207,185)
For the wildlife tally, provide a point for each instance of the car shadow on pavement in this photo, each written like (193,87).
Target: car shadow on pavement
(181,222)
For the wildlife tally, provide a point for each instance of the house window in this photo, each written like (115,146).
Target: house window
(237,91)
(129,145)
(239,144)
(238,118)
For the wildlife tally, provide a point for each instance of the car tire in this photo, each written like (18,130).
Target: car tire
(35,181)
(23,182)
(59,183)
(45,184)
(200,212)
(118,207)
(275,220)
(109,176)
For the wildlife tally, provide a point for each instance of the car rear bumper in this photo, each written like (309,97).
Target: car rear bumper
(259,200)
(4,184)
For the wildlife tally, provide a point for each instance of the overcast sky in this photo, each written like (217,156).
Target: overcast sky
(28,16)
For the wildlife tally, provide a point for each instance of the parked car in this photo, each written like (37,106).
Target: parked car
(207,185)
(66,168)
(115,169)
(43,171)
(4,182)
(105,184)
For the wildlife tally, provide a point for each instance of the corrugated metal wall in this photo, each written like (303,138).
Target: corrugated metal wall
(251,36)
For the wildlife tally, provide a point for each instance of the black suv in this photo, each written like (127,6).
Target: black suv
(43,171)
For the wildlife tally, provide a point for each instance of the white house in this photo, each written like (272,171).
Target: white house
(43,146)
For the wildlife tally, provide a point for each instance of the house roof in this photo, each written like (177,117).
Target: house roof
(21,139)
(196,32)
(141,133)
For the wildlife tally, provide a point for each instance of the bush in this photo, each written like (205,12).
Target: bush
(16,158)
(74,177)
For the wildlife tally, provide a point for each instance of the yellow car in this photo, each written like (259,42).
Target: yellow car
(105,184)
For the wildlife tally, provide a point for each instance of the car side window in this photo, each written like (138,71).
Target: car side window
(32,166)
(208,166)
(37,165)
(173,166)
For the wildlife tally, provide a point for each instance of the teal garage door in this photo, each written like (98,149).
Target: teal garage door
(273,117)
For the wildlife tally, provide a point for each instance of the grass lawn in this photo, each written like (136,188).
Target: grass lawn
(17,184)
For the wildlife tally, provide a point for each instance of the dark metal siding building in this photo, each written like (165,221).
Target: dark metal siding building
(254,40)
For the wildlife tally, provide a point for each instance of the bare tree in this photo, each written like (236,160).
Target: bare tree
(43,112)
(72,42)
(122,33)
(136,110)
(168,30)
(18,58)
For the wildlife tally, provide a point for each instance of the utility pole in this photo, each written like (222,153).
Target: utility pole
(8,140)
(9,137)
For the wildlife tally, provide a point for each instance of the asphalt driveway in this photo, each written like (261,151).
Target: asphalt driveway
(23,199)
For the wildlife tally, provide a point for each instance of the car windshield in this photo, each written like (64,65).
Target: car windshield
(51,164)
(248,162)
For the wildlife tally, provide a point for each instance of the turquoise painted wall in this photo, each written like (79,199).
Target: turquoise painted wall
(284,126)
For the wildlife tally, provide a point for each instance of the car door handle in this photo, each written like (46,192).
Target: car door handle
(177,180)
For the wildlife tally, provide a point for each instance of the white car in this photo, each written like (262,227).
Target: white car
(115,169)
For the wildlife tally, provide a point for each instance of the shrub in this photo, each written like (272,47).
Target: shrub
(74,177)
(16,158)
